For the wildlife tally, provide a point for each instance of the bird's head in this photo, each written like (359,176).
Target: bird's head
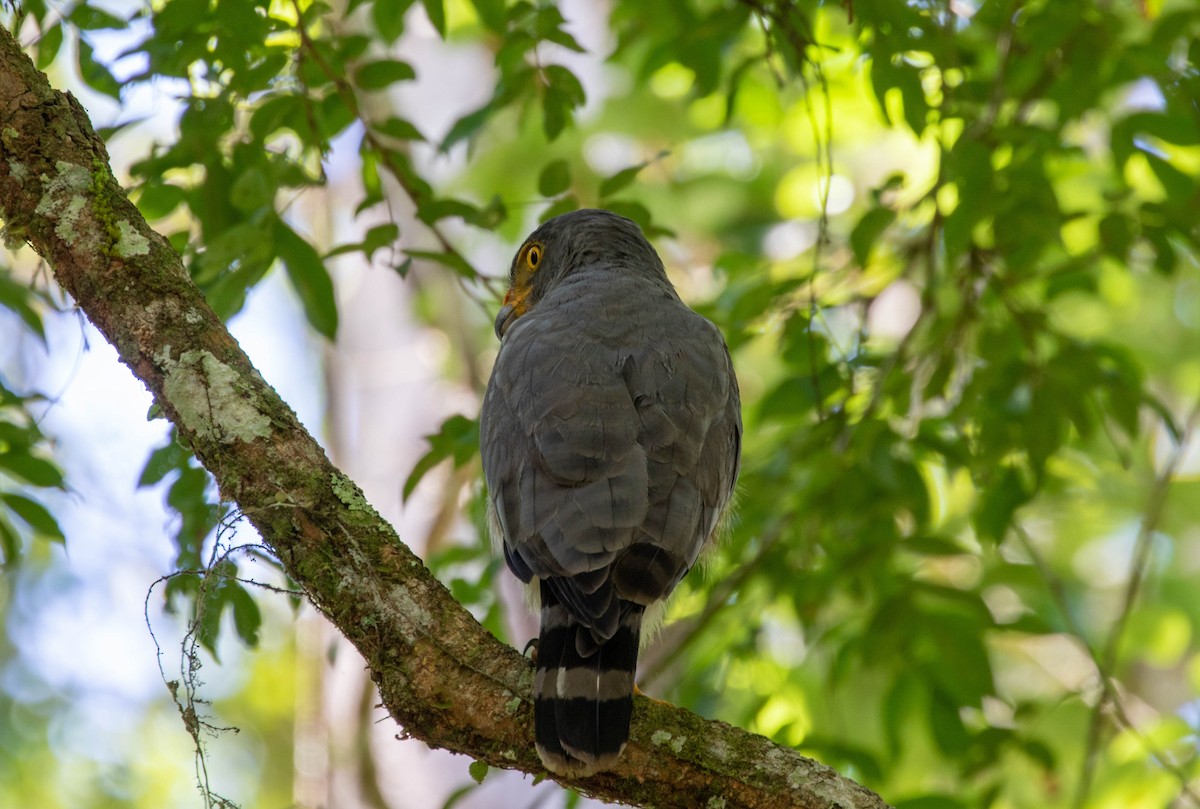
(586,238)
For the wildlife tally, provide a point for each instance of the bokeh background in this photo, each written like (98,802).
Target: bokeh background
(952,246)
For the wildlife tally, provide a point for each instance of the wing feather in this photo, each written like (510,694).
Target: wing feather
(606,436)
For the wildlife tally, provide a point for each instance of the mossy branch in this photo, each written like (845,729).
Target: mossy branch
(441,675)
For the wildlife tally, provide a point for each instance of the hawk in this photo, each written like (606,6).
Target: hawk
(610,437)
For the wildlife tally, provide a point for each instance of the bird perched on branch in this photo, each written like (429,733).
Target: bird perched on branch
(610,435)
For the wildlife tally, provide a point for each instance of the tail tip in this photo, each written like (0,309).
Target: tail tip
(576,763)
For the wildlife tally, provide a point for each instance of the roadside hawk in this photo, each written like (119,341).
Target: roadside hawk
(611,435)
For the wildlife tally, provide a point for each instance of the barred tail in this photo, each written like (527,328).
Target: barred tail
(583,690)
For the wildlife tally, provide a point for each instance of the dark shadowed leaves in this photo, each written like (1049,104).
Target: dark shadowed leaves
(309,277)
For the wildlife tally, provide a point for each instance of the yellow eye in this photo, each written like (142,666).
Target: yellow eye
(533,256)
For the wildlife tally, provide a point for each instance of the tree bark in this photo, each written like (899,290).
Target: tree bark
(443,678)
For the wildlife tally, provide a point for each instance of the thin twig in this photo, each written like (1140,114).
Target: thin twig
(1141,557)
(1108,684)
(189,702)
(718,599)
(786,19)
(387,156)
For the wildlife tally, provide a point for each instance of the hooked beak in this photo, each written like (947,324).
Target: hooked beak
(515,303)
(504,319)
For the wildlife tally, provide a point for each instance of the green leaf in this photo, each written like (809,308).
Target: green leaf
(175,18)
(490,216)
(458,438)
(491,14)
(554,178)
(189,496)
(166,459)
(332,116)
(889,72)
(948,730)
(310,278)
(899,704)
(247,619)
(94,74)
(1039,753)
(49,45)
(451,260)
(432,210)
(467,126)
(18,298)
(969,167)
(1165,256)
(381,74)
(796,396)
(88,17)
(157,199)
(252,189)
(563,95)
(10,543)
(35,515)
(548,25)
(1178,129)
(209,607)
(999,502)
(456,797)
(16,437)
(1116,235)
(620,180)
(638,213)
(436,11)
(399,129)
(963,671)
(389,17)
(278,110)
(380,236)
(1178,185)
(931,802)
(31,469)
(478,771)
(564,204)
(868,230)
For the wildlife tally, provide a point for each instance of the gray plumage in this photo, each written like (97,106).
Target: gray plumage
(610,436)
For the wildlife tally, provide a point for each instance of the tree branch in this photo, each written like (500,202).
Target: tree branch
(442,676)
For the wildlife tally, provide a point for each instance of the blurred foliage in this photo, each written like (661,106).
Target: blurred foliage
(24,464)
(953,246)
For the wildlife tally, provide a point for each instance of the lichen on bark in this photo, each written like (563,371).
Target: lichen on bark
(211,399)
